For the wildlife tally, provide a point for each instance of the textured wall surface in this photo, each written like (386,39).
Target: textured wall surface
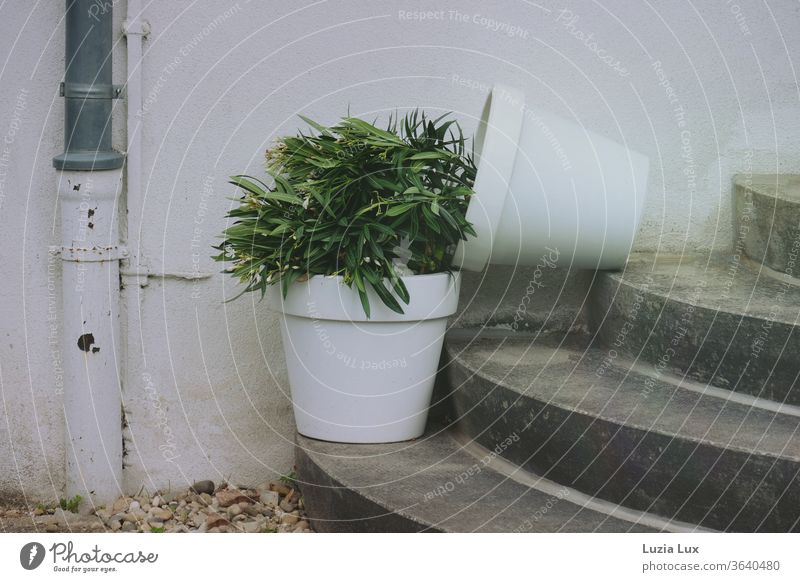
(705,89)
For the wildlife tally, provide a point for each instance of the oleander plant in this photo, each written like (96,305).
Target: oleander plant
(354,200)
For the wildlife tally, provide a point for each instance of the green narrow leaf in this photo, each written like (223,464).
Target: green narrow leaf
(430,219)
(320,128)
(370,128)
(362,294)
(359,281)
(449,218)
(248,184)
(399,209)
(429,156)
(387,297)
(401,290)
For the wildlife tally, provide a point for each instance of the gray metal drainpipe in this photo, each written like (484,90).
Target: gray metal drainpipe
(88,90)
(89,184)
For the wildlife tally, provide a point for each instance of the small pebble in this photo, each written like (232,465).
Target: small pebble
(272,498)
(162,514)
(280,488)
(215,520)
(203,487)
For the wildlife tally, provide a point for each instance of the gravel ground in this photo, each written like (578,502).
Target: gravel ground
(272,507)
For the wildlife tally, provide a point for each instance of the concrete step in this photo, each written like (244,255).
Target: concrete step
(767,212)
(444,483)
(716,320)
(613,433)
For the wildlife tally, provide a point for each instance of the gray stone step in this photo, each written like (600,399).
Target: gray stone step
(716,320)
(439,483)
(616,434)
(767,212)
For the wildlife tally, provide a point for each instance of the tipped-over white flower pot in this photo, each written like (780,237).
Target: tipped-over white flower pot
(548,183)
(360,380)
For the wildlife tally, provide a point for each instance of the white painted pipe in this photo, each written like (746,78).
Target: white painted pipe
(134,274)
(135,30)
(545,183)
(90,342)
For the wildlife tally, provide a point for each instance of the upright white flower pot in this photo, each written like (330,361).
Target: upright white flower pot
(548,183)
(360,380)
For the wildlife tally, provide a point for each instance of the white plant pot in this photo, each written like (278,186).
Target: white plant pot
(546,183)
(359,380)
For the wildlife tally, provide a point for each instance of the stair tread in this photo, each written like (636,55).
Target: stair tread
(403,479)
(569,377)
(783,186)
(716,320)
(767,213)
(716,283)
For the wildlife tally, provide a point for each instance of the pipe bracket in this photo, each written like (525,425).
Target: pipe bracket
(95,254)
(89,91)
(136,26)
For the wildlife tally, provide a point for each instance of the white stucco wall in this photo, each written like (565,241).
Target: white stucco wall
(31,432)
(205,379)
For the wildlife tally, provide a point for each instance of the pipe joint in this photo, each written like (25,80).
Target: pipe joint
(94,254)
(90,91)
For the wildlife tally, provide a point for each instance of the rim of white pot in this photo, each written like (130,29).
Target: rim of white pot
(496,145)
(432,296)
